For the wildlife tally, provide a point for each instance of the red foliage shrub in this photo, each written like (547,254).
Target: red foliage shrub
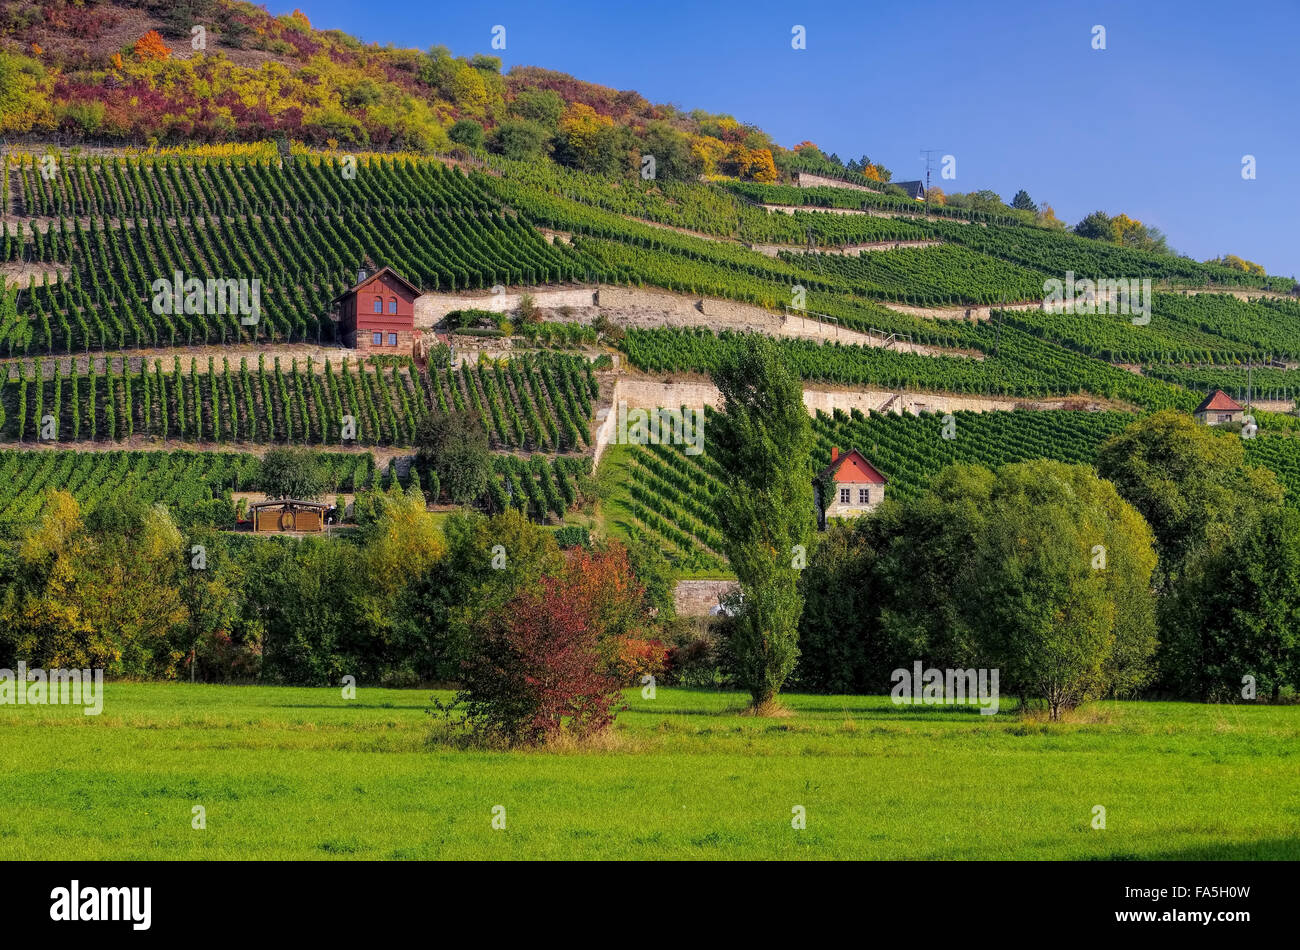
(638,658)
(546,663)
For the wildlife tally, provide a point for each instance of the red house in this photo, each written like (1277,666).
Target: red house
(850,486)
(1218,407)
(377,315)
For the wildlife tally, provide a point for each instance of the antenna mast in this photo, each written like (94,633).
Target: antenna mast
(928,154)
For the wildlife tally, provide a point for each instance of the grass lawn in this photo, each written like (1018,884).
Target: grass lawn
(303,773)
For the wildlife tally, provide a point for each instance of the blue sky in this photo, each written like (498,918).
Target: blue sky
(1155,126)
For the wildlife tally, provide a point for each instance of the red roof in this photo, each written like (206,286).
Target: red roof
(415,291)
(1218,401)
(853,466)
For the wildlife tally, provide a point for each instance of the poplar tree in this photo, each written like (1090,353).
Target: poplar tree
(763,442)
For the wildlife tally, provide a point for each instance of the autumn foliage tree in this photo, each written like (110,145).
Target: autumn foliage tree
(546,663)
(151,47)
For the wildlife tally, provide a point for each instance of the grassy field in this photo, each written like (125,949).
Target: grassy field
(303,773)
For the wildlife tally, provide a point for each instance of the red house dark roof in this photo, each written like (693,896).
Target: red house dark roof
(1218,401)
(379,273)
(852,466)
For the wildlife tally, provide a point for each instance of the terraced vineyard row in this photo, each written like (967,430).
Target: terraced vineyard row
(668,495)
(1115,337)
(1237,381)
(1023,367)
(300,264)
(851,199)
(539,402)
(171,187)
(195,485)
(927,276)
(1269,326)
(909,450)
(587,204)
(538,487)
(1055,252)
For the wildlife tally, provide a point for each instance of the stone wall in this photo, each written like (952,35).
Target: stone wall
(644,393)
(431,308)
(699,598)
(364,344)
(809,180)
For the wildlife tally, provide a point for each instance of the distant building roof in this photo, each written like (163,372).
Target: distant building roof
(369,277)
(282,502)
(859,470)
(1219,401)
(914,189)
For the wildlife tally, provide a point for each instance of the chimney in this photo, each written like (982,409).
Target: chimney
(835,455)
(361,274)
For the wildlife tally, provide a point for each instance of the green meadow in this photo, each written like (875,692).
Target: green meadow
(303,773)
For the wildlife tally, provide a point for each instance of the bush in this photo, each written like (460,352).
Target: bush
(546,663)
(572,536)
(639,658)
(466,132)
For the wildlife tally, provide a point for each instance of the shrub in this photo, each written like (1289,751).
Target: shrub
(546,663)
(638,658)
(572,536)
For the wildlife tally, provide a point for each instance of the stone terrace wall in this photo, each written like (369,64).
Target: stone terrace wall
(698,598)
(430,308)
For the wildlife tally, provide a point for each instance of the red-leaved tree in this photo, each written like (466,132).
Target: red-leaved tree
(546,663)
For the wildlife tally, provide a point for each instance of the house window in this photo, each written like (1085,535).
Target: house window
(864,496)
(379,305)
(392,339)
(392,305)
(844,496)
(377,339)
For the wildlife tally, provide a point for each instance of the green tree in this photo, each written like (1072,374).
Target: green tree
(455,445)
(487,562)
(1022,201)
(762,441)
(1096,226)
(1236,614)
(466,132)
(543,106)
(1057,591)
(292,473)
(520,140)
(1190,482)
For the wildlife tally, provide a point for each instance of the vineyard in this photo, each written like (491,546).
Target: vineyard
(553,197)
(666,497)
(927,276)
(1024,366)
(1055,252)
(196,486)
(851,200)
(1237,381)
(300,231)
(540,402)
